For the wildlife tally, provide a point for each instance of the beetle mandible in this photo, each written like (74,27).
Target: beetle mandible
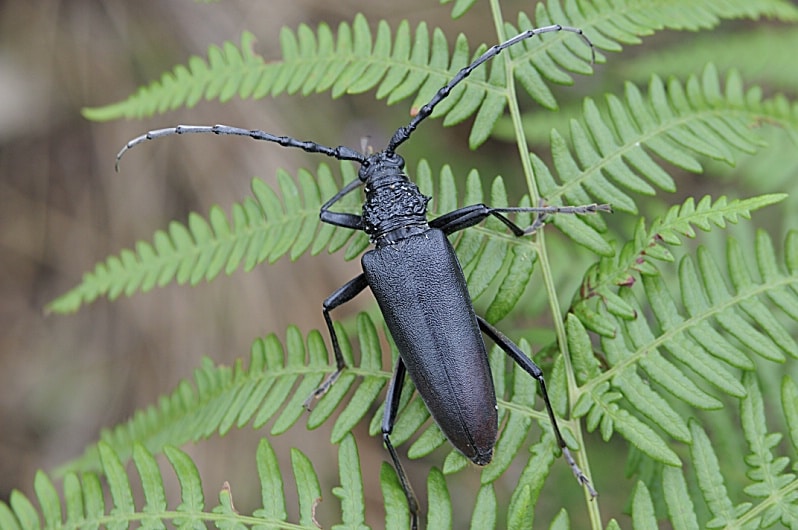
(419,285)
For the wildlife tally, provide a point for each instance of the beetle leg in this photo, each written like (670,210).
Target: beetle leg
(469,216)
(341,296)
(529,366)
(461,218)
(388,421)
(346,220)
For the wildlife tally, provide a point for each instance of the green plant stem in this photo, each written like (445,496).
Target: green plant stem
(548,278)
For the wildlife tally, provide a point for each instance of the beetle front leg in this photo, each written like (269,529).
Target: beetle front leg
(341,296)
(529,366)
(388,420)
(346,220)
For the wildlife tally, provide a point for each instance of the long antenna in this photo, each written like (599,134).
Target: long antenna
(403,133)
(341,152)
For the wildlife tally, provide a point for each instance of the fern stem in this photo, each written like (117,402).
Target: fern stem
(548,278)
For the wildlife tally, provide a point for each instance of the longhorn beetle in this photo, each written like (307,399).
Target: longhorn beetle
(419,285)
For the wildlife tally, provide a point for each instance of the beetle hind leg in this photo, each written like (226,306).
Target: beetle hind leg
(534,370)
(388,421)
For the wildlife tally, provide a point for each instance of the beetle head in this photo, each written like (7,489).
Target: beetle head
(380,165)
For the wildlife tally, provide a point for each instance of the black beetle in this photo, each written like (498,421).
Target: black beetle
(419,285)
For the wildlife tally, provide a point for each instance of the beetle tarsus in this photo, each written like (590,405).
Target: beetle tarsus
(323,388)
(578,473)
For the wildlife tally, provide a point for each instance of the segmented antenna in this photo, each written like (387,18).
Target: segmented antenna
(346,153)
(341,152)
(403,133)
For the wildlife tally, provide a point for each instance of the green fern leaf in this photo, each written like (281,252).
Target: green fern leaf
(351,489)
(193,413)
(520,510)
(484,509)
(397,515)
(764,468)
(85,504)
(233,67)
(48,499)
(308,488)
(221,395)
(640,254)
(272,496)
(643,515)
(738,50)
(789,402)
(21,513)
(193,500)
(679,123)
(264,228)
(121,492)
(94,499)
(680,503)
(440,513)
(352,62)
(694,342)
(774,488)
(460,7)
(710,480)
(152,485)
(227,510)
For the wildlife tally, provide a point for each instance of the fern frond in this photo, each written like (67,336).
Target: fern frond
(222,397)
(776,491)
(599,402)
(734,50)
(229,69)
(350,62)
(680,123)
(625,21)
(86,505)
(265,227)
(648,245)
(708,340)
(768,481)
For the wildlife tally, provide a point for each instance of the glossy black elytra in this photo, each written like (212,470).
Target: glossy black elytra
(419,285)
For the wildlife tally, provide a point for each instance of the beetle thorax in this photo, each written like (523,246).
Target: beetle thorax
(394,207)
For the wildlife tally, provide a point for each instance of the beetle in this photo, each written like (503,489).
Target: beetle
(419,285)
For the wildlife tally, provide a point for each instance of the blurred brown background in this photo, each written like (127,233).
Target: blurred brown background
(62,209)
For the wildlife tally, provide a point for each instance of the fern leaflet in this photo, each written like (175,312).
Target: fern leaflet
(85,505)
